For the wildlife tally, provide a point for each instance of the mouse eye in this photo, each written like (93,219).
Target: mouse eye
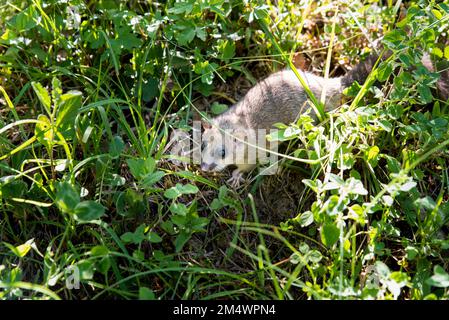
(223,153)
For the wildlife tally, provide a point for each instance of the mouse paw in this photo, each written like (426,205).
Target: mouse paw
(236,179)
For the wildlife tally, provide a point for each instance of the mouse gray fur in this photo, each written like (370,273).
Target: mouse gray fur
(280,98)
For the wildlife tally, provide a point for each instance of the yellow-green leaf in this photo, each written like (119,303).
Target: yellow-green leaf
(43,131)
(21,250)
(437,51)
(43,96)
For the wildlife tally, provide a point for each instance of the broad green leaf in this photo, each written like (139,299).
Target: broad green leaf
(315,256)
(26,19)
(412,252)
(146,294)
(181,7)
(154,237)
(384,71)
(227,49)
(150,179)
(438,52)
(21,250)
(180,189)
(86,269)
(135,237)
(12,189)
(70,103)
(372,155)
(141,167)
(393,165)
(305,219)
(116,147)
(189,188)
(99,251)
(181,240)
(56,91)
(329,234)
(44,133)
(88,211)
(150,89)
(42,95)
(172,193)
(67,197)
(179,208)
(437,14)
(425,93)
(408,186)
(218,108)
(440,278)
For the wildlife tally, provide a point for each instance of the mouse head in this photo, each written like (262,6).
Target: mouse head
(219,146)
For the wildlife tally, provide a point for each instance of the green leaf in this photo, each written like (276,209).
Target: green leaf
(189,188)
(88,211)
(384,71)
(116,146)
(412,252)
(329,234)
(12,189)
(99,251)
(56,91)
(446,52)
(126,40)
(437,14)
(135,237)
(315,256)
(150,89)
(393,165)
(181,7)
(44,133)
(150,179)
(179,208)
(185,35)
(180,189)
(372,155)
(312,184)
(21,250)
(438,52)
(86,269)
(26,19)
(172,193)
(42,95)
(146,294)
(154,237)
(425,93)
(104,264)
(440,278)
(141,167)
(406,187)
(227,50)
(218,108)
(201,33)
(305,219)
(67,197)
(181,240)
(68,107)
(405,58)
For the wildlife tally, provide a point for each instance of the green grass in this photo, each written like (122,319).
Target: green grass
(91,91)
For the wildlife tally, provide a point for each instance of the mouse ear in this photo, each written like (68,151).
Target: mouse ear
(206,125)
